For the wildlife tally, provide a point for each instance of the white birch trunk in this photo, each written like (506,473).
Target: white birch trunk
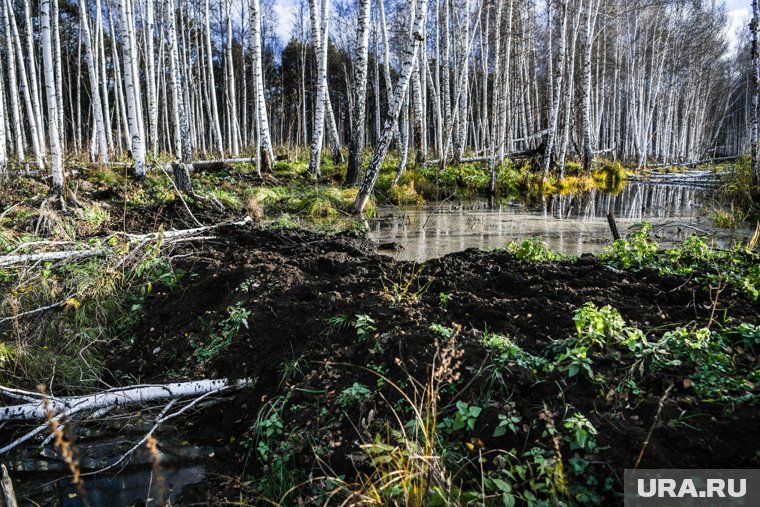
(588,44)
(755,89)
(267,152)
(410,53)
(231,92)
(29,98)
(183,168)
(52,97)
(100,130)
(3,152)
(319,108)
(132,96)
(554,107)
(13,93)
(150,77)
(360,94)
(59,73)
(125,396)
(216,126)
(34,88)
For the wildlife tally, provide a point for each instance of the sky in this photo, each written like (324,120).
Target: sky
(739,14)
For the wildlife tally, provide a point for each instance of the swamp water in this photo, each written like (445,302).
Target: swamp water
(572,224)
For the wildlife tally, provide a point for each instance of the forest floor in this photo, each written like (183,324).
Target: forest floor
(333,336)
(480,377)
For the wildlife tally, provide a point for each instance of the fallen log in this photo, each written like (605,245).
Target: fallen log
(513,155)
(132,395)
(168,236)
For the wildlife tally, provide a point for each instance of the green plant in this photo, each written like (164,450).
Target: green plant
(249,284)
(364,326)
(292,369)
(465,417)
(407,287)
(533,250)
(284,221)
(443,300)
(507,351)
(507,422)
(227,329)
(227,198)
(357,393)
(583,432)
(576,360)
(636,251)
(596,327)
(336,324)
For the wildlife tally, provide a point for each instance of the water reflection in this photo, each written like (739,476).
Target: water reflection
(572,224)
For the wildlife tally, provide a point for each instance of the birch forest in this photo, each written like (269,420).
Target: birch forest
(379,252)
(456,79)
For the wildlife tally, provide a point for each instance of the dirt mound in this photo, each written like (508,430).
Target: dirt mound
(290,284)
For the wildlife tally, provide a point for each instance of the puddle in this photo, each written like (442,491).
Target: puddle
(571,224)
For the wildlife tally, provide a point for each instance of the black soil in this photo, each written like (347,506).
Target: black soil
(297,280)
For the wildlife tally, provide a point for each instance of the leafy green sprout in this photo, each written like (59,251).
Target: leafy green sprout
(465,417)
(443,300)
(363,324)
(507,422)
(583,432)
(228,328)
(534,250)
(357,393)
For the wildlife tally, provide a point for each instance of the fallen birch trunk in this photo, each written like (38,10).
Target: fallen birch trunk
(133,395)
(168,236)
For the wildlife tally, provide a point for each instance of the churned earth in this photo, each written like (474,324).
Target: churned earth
(326,313)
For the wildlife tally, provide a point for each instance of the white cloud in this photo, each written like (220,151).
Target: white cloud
(285,10)
(737,19)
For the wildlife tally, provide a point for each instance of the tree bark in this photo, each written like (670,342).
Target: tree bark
(133,97)
(356,147)
(267,152)
(100,129)
(125,396)
(319,114)
(370,177)
(52,98)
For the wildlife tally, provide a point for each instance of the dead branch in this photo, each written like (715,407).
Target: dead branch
(101,251)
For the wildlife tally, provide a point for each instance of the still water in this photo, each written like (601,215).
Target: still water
(571,224)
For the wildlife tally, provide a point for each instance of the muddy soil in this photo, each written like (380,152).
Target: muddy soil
(292,282)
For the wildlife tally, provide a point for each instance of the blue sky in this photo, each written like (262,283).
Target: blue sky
(739,13)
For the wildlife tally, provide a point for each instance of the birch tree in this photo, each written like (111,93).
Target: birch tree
(333,140)
(52,98)
(33,119)
(410,53)
(356,146)
(13,94)
(216,126)
(319,108)
(132,95)
(588,43)
(556,98)
(182,168)
(267,152)
(3,152)
(100,128)
(755,28)
(150,77)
